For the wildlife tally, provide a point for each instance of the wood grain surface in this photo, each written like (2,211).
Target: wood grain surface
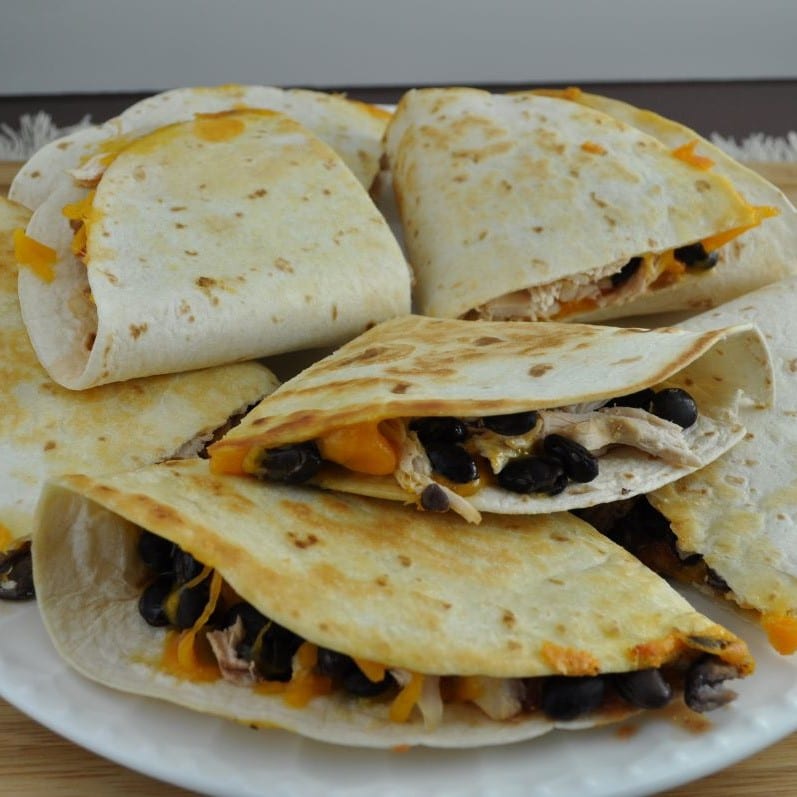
(35,762)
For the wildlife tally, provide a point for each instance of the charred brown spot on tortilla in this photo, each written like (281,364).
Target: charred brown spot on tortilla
(401,388)
(303,542)
(487,340)
(540,369)
(508,618)
(258,194)
(205,282)
(190,252)
(281,264)
(136,330)
(50,445)
(404,560)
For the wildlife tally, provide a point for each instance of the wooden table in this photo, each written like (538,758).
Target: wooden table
(34,762)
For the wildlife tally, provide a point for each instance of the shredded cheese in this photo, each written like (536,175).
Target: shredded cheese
(781,630)
(405,700)
(33,254)
(686,153)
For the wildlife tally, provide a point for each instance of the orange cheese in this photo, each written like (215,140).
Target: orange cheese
(81,214)
(305,683)
(373,671)
(576,306)
(221,126)
(227,457)
(687,154)
(38,257)
(360,447)
(6,537)
(405,700)
(781,630)
(760,212)
(592,147)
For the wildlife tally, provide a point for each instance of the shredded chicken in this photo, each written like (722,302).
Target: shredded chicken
(225,644)
(89,174)
(623,426)
(500,698)
(546,301)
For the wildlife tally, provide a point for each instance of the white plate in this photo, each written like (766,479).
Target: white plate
(221,758)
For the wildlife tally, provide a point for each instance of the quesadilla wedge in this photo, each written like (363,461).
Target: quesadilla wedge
(505,417)
(731,528)
(353,129)
(764,254)
(225,238)
(46,430)
(527,207)
(358,622)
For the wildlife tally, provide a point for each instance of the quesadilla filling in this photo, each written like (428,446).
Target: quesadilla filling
(213,634)
(615,283)
(441,461)
(645,532)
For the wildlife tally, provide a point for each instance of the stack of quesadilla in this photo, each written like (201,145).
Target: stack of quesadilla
(229,236)
(46,430)
(505,417)
(534,207)
(357,622)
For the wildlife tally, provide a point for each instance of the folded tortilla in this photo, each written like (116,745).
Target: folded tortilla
(225,238)
(353,129)
(735,521)
(763,255)
(530,207)
(449,613)
(46,430)
(359,407)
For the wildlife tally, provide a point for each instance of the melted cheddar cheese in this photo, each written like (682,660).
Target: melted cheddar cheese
(33,254)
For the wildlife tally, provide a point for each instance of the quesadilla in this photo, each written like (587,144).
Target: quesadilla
(225,238)
(293,608)
(505,417)
(764,254)
(528,207)
(46,430)
(353,129)
(730,528)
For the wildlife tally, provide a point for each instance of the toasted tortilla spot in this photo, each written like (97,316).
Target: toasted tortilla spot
(540,369)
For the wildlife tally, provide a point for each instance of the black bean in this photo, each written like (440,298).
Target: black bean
(190,604)
(565,698)
(579,465)
(291,464)
(276,650)
(333,664)
(516,423)
(533,475)
(451,461)
(676,405)
(644,688)
(703,687)
(151,603)
(16,573)
(156,552)
(356,682)
(695,256)
(716,581)
(185,566)
(434,499)
(627,271)
(439,430)
(640,400)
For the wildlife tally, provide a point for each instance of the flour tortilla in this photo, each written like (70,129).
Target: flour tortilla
(500,193)
(353,129)
(46,430)
(221,239)
(761,256)
(415,367)
(426,595)
(740,513)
